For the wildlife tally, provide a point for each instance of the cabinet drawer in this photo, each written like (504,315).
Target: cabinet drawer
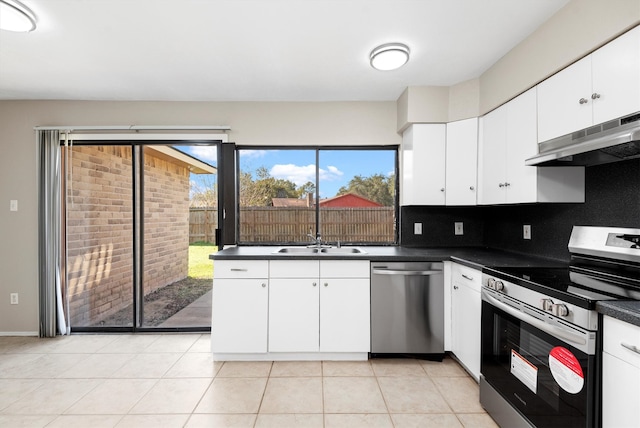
(241,269)
(463,275)
(617,334)
(294,268)
(344,269)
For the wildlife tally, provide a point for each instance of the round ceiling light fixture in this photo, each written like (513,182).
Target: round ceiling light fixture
(14,16)
(389,56)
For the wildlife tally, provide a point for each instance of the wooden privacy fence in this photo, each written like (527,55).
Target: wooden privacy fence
(285,224)
(202,225)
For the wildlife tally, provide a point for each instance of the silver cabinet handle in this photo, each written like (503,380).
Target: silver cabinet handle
(264,285)
(442,190)
(470,278)
(507,184)
(238,270)
(595,96)
(455,287)
(315,284)
(500,184)
(326,284)
(583,100)
(472,188)
(631,348)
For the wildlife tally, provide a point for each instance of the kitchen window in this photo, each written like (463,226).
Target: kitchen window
(291,195)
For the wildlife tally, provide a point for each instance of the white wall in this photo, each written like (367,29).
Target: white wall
(334,123)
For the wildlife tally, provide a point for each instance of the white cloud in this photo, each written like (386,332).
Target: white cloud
(330,174)
(305,173)
(205,153)
(252,153)
(297,174)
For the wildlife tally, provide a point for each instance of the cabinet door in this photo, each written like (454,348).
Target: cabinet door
(344,315)
(559,108)
(465,324)
(239,315)
(616,77)
(620,392)
(462,162)
(423,165)
(294,315)
(522,143)
(492,157)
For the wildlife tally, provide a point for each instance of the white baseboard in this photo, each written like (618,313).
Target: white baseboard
(19,333)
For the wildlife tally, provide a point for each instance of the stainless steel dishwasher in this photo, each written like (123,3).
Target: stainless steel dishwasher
(407,309)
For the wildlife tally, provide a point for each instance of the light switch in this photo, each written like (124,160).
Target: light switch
(458,228)
(13,205)
(417,228)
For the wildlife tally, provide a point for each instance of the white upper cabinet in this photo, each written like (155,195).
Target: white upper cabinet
(616,77)
(507,139)
(423,165)
(602,86)
(461,162)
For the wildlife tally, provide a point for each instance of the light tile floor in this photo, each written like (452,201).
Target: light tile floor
(170,380)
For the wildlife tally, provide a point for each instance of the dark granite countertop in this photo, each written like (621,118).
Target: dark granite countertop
(475,257)
(624,310)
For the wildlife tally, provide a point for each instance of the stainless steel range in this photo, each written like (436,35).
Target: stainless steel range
(541,333)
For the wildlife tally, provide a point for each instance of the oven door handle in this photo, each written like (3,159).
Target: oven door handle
(547,328)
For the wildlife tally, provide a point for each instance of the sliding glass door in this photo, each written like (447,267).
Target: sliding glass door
(140,221)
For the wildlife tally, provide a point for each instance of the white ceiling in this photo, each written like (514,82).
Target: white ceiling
(255,50)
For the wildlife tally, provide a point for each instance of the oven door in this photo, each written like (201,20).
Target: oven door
(547,380)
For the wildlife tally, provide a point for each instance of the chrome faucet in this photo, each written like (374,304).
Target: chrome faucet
(317,239)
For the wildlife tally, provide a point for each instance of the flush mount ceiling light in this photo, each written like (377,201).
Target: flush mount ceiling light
(389,56)
(14,16)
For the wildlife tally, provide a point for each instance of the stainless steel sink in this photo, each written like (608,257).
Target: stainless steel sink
(342,250)
(316,250)
(297,250)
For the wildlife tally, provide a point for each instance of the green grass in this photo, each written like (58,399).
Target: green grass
(200,266)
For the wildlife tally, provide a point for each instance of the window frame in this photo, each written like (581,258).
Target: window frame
(395,148)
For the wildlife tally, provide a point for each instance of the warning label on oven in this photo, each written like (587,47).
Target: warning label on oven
(526,372)
(566,370)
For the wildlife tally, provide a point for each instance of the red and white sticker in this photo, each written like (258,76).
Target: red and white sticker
(566,370)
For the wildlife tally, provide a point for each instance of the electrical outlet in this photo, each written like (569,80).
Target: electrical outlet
(13,205)
(526,231)
(417,228)
(14,298)
(458,228)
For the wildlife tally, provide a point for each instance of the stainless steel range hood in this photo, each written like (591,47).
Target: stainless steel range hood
(611,141)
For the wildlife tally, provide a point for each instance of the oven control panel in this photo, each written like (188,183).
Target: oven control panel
(545,305)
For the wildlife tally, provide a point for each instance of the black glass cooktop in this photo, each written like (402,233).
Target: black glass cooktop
(571,285)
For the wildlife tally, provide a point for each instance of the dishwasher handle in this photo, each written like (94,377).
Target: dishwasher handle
(406,272)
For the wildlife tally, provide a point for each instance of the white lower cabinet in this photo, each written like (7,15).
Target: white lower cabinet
(620,374)
(465,317)
(319,306)
(239,306)
(345,296)
(294,306)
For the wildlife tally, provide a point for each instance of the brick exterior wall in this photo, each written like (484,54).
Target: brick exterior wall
(100,229)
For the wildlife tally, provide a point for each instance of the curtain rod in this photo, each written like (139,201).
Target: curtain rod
(136,128)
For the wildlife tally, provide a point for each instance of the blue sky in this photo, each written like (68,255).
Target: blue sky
(337,167)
